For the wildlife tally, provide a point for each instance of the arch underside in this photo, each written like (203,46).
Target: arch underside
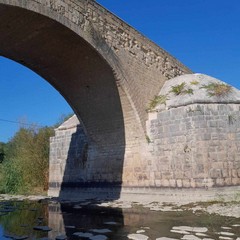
(80,75)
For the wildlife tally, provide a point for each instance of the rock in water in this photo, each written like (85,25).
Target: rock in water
(99,237)
(61,237)
(137,237)
(42,228)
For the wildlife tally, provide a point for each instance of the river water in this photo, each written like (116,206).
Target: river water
(47,219)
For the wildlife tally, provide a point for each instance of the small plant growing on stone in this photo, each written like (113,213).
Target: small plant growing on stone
(181,89)
(194,82)
(217,89)
(161,99)
(178,89)
(148,139)
(188,91)
(231,119)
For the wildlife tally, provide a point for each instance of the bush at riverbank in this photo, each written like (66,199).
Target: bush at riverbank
(24,168)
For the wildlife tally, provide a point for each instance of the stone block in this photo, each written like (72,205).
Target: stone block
(220,182)
(238,171)
(186,183)
(222,124)
(158,175)
(213,156)
(213,124)
(228,181)
(172,183)
(200,124)
(234,173)
(179,183)
(165,183)
(215,173)
(200,182)
(208,183)
(225,173)
(193,183)
(188,174)
(235,181)
(179,173)
(158,183)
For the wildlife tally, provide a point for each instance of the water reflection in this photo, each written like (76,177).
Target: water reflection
(55,221)
(18,219)
(86,220)
(87,217)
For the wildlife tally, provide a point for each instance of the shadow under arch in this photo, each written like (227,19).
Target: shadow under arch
(82,77)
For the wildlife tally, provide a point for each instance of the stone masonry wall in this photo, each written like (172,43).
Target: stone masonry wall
(68,156)
(197,145)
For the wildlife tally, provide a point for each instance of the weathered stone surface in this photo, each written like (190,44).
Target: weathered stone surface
(68,147)
(197,135)
(198,83)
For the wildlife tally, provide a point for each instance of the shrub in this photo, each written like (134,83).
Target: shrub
(25,166)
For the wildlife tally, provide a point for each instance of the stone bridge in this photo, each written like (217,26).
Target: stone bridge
(108,73)
(106,70)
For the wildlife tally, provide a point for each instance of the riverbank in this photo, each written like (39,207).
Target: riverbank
(225,203)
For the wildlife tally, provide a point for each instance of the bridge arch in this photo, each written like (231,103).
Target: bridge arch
(77,71)
(105,69)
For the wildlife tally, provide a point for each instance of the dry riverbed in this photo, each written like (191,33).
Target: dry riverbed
(220,207)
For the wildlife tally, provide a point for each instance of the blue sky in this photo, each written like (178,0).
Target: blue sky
(26,98)
(203,34)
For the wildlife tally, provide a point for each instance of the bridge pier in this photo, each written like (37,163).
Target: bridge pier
(193,143)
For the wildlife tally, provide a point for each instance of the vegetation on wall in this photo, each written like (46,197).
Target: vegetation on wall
(217,89)
(181,89)
(161,99)
(194,82)
(212,89)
